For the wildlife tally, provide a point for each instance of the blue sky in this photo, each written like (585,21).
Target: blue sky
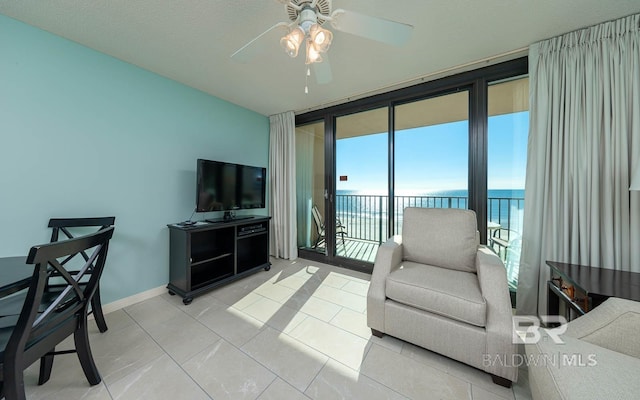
(434,158)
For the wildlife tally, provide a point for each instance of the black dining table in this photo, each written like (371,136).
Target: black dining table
(15,274)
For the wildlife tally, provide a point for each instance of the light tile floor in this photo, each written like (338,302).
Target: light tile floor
(297,331)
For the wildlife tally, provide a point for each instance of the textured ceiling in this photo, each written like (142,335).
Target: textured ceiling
(191,41)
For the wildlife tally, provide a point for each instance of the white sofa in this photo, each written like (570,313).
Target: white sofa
(434,286)
(599,359)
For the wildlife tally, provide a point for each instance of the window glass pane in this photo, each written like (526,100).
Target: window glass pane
(362,144)
(508,129)
(310,186)
(431,154)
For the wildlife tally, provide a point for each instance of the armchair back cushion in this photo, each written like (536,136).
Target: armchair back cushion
(443,237)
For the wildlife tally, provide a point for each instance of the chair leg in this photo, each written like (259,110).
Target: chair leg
(81,339)
(96,308)
(498,380)
(46,365)
(13,384)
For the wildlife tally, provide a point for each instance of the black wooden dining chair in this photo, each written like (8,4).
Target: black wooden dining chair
(69,226)
(44,321)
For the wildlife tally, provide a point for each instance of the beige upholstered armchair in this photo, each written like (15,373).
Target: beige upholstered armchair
(434,286)
(598,356)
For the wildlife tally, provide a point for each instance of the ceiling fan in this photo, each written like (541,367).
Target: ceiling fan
(307,19)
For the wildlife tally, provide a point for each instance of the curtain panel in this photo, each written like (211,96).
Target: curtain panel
(282,173)
(584,139)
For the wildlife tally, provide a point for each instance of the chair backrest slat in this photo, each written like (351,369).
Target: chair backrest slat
(80,222)
(317,218)
(35,326)
(72,284)
(63,225)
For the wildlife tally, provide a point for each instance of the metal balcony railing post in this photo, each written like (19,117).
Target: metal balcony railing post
(380,219)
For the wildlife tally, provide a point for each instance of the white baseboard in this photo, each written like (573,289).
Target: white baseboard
(136,298)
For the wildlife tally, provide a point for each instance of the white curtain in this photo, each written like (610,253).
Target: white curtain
(282,172)
(584,139)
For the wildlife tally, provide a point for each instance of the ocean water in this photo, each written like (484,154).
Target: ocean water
(365,215)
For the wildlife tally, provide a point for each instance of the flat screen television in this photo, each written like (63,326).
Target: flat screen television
(226,186)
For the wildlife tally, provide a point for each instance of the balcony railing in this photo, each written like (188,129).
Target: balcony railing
(365,216)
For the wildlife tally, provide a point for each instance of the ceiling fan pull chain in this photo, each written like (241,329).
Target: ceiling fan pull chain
(306,80)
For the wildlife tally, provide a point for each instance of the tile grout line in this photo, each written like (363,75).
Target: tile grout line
(169,355)
(274,372)
(359,370)
(316,376)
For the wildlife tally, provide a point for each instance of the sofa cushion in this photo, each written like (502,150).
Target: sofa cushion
(447,292)
(443,237)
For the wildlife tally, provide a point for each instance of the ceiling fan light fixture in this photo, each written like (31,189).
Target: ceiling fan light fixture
(313,53)
(291,42)
(321,37)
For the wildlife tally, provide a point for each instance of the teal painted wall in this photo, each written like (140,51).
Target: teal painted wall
(85,134)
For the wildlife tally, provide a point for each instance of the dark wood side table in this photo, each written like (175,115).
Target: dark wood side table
(582,288)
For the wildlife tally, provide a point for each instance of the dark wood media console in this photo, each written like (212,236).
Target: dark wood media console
(209,254)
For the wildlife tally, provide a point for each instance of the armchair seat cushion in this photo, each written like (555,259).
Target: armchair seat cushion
(443,291)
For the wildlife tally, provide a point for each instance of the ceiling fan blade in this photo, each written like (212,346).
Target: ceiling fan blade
(256,46)
(322,71)
(379,29)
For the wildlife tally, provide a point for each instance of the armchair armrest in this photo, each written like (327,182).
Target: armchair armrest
(388,258)
(577,369)
(492,277)
(613,325)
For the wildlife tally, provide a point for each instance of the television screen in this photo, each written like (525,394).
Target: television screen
(226,186)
